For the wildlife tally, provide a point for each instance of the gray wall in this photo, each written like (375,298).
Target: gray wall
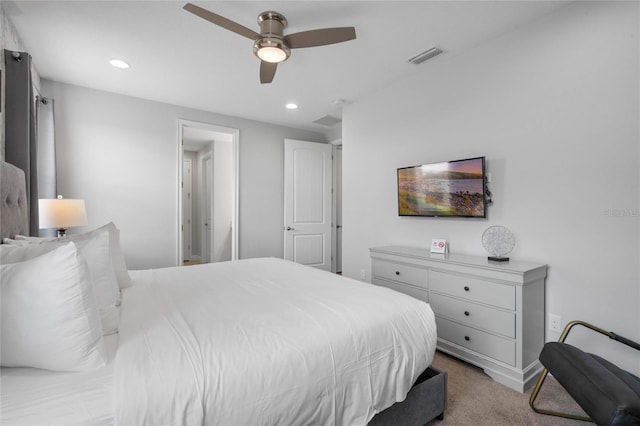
(554,106)
(120,154)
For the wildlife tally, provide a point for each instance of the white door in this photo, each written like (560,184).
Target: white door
(307,203)
(207,208)
(338,217)
(187,208)
(222,215)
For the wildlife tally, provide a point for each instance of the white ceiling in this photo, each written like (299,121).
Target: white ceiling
(184,60)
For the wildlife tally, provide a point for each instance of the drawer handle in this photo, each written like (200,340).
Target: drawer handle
(397,272)
(467,338)
(466,288)
(466,313)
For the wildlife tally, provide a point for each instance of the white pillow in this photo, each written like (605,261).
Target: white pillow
(32,239)
(49,316)
(117,258)
(95,248)
(17,242)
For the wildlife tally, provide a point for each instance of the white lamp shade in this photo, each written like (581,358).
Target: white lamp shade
(61,213)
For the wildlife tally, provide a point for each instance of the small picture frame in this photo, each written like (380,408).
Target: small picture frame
(438,246)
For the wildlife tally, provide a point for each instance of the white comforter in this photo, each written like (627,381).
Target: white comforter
(265,342)
(31,396)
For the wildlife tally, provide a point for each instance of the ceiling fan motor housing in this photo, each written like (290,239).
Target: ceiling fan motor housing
(272,26)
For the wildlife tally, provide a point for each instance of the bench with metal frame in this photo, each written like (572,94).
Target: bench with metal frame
(608,394)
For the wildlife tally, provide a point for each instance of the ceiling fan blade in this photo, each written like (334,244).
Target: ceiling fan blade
(320,37)
(267,71)
(221,21)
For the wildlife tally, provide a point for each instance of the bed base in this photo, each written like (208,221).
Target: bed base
(426,401)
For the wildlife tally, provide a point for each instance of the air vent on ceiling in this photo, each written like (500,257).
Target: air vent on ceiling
(328,120)
(427,54)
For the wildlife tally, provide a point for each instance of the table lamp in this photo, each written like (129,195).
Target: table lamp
(61,214)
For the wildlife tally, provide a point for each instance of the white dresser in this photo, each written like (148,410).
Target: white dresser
(490,314)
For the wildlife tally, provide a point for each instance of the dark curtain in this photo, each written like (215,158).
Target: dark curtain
(21,147)
(45,132)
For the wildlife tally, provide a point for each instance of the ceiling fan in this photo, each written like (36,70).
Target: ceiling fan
(270,45)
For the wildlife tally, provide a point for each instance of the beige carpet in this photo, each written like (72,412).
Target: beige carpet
(475,399)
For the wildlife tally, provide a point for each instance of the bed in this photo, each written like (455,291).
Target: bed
(249,342)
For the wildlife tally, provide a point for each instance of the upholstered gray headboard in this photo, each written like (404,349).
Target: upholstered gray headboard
(14,210)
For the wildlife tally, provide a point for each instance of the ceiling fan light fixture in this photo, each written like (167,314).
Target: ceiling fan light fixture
(119,63)
(271,50)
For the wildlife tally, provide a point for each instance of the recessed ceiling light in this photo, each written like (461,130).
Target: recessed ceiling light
(291,105)
(119,63)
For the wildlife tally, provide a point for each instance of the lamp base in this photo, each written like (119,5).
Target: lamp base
(498,259)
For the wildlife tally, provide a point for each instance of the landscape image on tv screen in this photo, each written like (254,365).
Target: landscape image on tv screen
(453,188)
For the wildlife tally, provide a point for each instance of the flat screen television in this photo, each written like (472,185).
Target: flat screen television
(449,189)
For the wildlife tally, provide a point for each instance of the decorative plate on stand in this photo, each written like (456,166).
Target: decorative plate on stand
(498,241)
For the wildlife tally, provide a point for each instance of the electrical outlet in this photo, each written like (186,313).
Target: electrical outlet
(363,274)
(555,322)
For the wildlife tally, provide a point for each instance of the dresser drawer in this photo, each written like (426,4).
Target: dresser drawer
(418,293)
(403,273)
(479,316)
(495,347)
(501,295)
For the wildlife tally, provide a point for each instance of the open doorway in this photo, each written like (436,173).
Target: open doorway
(208,193)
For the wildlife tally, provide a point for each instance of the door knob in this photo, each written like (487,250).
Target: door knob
(288,228)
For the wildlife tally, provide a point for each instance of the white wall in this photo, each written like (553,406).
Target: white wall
(554,106)
(120,154)
(10,40)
